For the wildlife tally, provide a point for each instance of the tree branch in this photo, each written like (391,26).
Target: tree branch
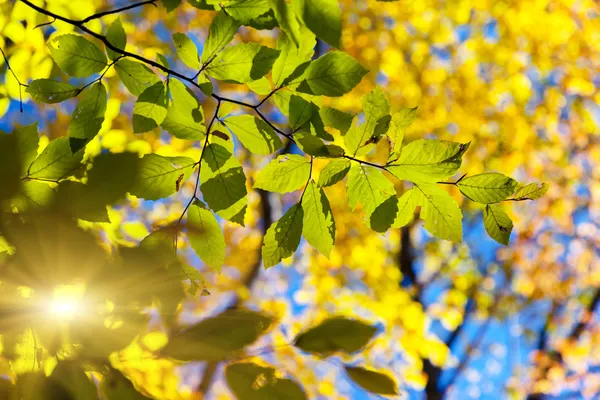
(118,10)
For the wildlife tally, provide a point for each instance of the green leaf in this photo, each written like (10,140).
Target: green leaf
(185,118)
(115,386)
(285,174)
(288,21)
(336,119)
(162,60)
(221,32)
(428,160)
(368,186)
(372,381)
(206,236)
(291,55)
(158,176)
(186,50)
(88,116)
(382,218)
(135,76)
(266,21)
(283,237)
(254,133)
(323,17)
(71,377)
(219,337)
(406,208)
(209,5)
(333,75)
(400,121)
(440,212)
(150,109)
(375,107)
(318,226)
(243,62)
(336,334)
(249,381)
(116,37)
(50,92)
(314,146)
(487,188)
(532,191)
(76,55)
(260,86)
(223,183)
(246,10)
(32,195)
(315,127)
(27,141)
(170,5)
(205,84)
(301,111)
(56,161)
(334,172)
(497,224)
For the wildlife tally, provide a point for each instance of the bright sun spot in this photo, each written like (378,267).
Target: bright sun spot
(66,302)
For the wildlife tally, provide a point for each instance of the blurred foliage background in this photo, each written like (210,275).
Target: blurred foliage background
(518,79)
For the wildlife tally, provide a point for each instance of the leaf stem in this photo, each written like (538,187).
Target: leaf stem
(15,76)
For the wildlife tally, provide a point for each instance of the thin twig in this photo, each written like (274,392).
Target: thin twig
(15,75)
(118,10)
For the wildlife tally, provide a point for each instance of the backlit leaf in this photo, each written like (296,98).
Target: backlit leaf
(88,116)
(205,235)
(223,183)
(185,118)
(158,175)
(428,160)
(150,109)
(497,224)
(440,212)
(220,33)
(116,37)
(76,55)
(50,91)
(367,186)
(283,237)
(291,56)
(400,121)
(375,107)
(334,172)
(323,17)
(186,50)
(487,188)
(285,174)
(334,74)
(57,161)
(245,11)
(254,133)
(406,208)
(135,76)
(243,62)
(318,226)
(532,191)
